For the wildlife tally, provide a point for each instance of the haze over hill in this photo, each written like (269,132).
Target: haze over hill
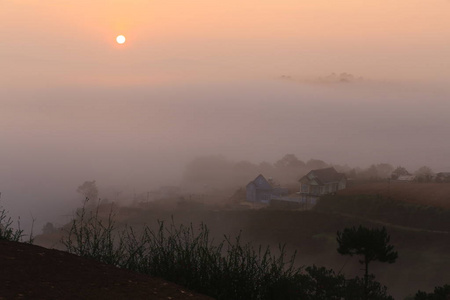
(132,139)
(248,80)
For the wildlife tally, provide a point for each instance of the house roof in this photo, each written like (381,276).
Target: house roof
(324,176)
(261,182)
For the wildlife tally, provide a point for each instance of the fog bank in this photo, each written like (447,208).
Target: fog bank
(133,139)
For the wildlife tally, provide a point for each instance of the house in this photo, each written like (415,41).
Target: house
(321,182)
(260,190)
(442,177)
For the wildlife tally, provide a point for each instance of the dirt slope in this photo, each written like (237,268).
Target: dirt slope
(33,272)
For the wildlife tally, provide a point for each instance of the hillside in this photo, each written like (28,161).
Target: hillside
(423,253)
(424,256)
(33,272)
(433,194)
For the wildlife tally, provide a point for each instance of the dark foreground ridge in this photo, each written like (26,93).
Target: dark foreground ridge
(33,272)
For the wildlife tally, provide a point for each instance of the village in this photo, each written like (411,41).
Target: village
(312,186)
(280,185)
(317,183)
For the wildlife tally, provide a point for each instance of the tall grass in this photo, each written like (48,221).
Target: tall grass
(229,269)
(92,237)
(187,255)
(8,233)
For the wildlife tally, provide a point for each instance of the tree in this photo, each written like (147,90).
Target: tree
(384,170)
(88,189)
(244,171)
(370,173)
(378,171)
(48,228)
(289,161)
(424,174)
(375,291)
(399,171)
(371,244)
(316,164)
(440,293)
(288,169)
(265,168)
(325,284)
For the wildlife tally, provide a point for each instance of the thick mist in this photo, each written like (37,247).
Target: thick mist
(134,139)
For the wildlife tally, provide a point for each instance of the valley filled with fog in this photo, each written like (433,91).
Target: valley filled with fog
(138,138)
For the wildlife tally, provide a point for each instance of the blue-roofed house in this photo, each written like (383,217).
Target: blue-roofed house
(260,190)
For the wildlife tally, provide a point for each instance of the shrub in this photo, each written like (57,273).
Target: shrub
(440,293)
(229,269)
(8,233)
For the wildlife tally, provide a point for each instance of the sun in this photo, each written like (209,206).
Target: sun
(120,39)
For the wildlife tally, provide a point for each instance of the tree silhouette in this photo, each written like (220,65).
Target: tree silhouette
(371,244)
(440,293)
(89,190)
(399,171)
(424,174)
(289,161)
(48,228)
(316,164)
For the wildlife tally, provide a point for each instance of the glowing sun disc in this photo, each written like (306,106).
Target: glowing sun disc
(120,39)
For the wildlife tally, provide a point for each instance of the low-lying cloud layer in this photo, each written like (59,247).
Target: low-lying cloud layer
(138,138)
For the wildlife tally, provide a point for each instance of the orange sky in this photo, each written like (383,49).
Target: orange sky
(72,42)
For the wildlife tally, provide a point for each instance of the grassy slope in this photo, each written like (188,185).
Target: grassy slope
(424,256)
(433,194)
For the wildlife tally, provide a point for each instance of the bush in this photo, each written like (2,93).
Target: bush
(354,290)
(8,233)
(187,256)
(440,293)
(325,284)
(229,269)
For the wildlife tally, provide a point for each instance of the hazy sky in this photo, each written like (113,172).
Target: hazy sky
(203,77)
(56,43)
